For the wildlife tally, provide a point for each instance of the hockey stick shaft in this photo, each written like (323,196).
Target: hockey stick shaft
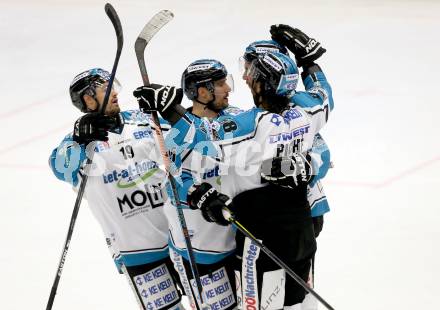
(278,261)
(147,33)
(111,13)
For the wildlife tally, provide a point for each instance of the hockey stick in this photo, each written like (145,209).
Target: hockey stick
(228,215)
(150,29)
(111,13)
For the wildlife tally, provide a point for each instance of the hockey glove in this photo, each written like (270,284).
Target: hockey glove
(94,127)
(158,98)
(210,202)
(288,172)
(306,49)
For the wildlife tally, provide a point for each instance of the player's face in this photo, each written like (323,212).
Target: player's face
(245,75)
(221,92)
(112,107)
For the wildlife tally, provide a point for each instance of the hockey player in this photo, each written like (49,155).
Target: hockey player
(207,84)
(320,152)
(213,244)
(124,189)
(263,135)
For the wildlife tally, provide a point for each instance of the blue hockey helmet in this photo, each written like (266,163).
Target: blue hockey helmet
(202,73)
(263,46)
(85,83)
(277,72)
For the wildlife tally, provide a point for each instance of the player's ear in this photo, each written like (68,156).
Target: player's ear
(203,93)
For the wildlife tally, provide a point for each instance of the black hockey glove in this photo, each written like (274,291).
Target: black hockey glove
(210,202)
(305,49)
(94,127)
(160,98)
(289,172)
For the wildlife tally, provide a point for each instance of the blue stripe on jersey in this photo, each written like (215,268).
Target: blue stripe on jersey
(320,207)
(202,257)
(317,85)
(323,169)
(136,259)
(321,149)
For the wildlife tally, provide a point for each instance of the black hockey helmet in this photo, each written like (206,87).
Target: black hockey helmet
(85,83)
(202,73)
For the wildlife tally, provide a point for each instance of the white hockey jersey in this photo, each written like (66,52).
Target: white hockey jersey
(125,188)
(242,142)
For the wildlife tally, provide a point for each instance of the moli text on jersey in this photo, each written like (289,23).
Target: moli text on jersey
(132,174)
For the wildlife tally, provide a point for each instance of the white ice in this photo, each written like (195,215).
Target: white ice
(380,245)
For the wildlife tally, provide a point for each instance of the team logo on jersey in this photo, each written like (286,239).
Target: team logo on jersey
(229,125)
(132,175)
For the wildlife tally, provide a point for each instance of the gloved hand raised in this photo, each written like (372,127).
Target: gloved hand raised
(289,172)
(94,127)
(210,202)
(158,98)
(305,49)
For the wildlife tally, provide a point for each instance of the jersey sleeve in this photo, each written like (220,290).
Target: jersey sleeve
(66,160)
(321,161)
(191,134)
(317,100)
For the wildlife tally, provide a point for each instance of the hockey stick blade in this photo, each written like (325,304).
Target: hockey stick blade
(111,13)
(114,18)
(150,29)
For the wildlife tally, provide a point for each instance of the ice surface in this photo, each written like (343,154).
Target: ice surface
(380,245)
